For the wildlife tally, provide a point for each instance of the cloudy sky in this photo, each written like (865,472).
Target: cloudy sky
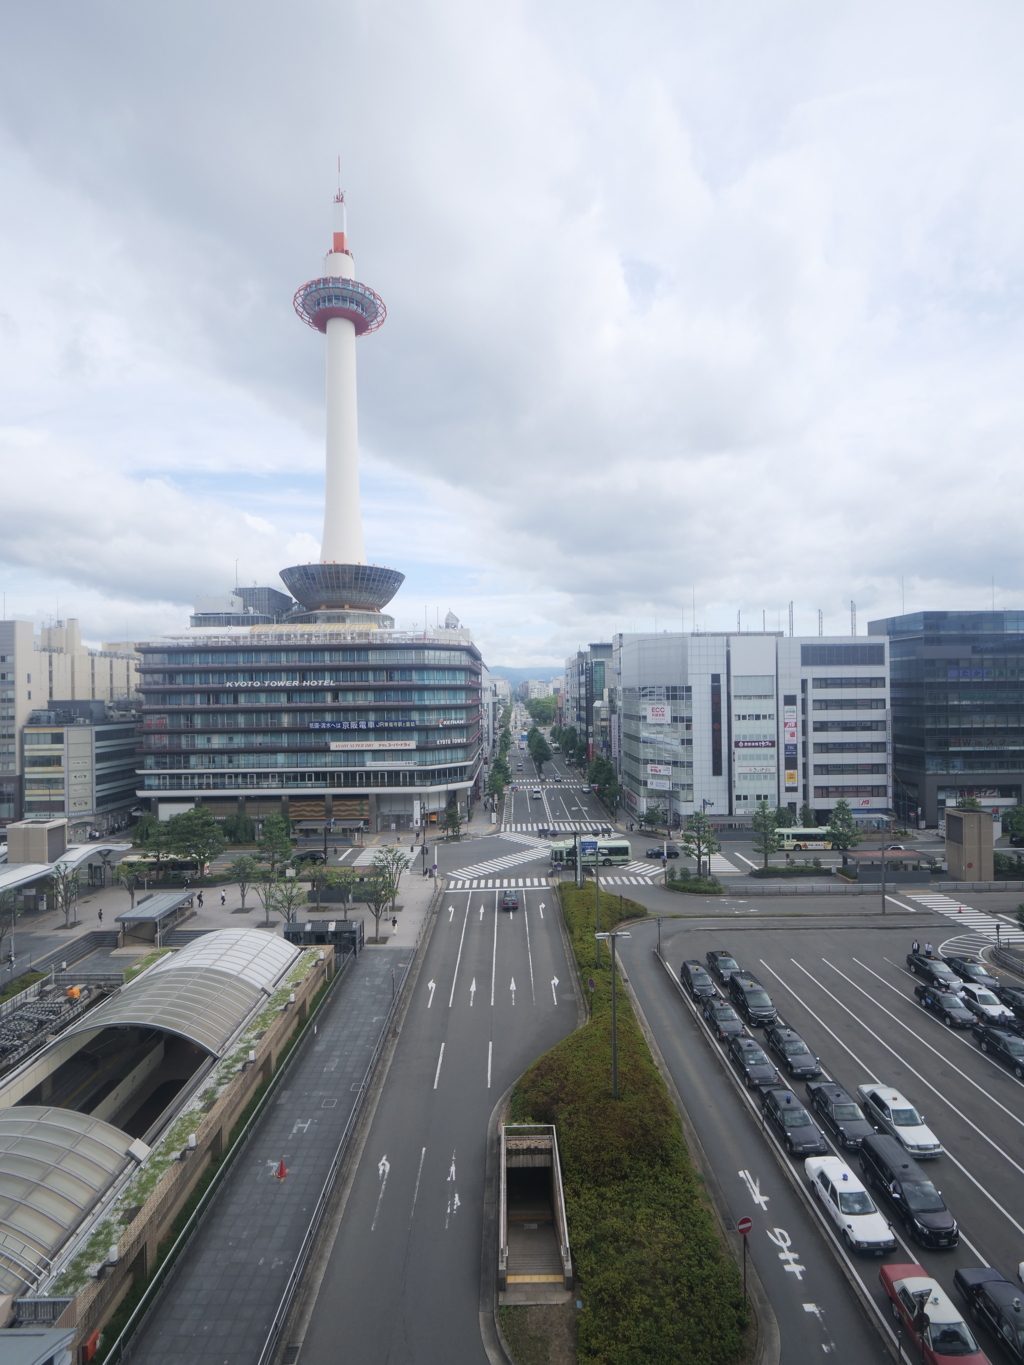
(688,305)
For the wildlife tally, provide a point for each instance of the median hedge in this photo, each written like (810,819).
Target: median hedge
(655,1280)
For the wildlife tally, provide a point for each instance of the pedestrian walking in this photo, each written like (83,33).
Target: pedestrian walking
(99,914)
(394,922)
(223,898)
(199,898)
(915,947)
(928,950)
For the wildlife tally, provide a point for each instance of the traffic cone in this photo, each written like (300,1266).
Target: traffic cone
(281,1172)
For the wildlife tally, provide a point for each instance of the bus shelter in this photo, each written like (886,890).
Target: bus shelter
(154,916)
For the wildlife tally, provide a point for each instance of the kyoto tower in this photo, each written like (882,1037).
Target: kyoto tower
(342,588)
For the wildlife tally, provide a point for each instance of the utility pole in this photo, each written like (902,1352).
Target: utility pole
(615,1040)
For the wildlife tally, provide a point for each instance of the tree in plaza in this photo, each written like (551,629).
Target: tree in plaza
(389,863)
(377,895)
(700,841)
(266,885)
(288,898)
(784,818)
(601,774)
(154,836)
(451,821)
(195,834)
(842,830)
(808,816)
(240,829)
(244,870)
(131,876)
(766,836)
(968,803)
(64,885)
(275,842)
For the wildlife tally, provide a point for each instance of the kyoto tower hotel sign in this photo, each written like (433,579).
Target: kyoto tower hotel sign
(342,588)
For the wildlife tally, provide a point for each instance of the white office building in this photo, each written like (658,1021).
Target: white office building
(721,722)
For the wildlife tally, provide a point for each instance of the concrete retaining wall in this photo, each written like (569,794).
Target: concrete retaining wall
(751,886)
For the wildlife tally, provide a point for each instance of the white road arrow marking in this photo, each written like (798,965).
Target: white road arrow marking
(452,1209)
(451,912)
(554,983)
(472,992)
(451,1169)
(512,988)
(541,909)
(481,914)
(383,1167)
(754,1186)
(440,1059)
(781,1238)
(431,987)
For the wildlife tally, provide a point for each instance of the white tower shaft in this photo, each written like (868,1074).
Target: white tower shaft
(343,527)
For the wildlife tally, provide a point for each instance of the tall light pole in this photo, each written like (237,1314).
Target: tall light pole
(623,933)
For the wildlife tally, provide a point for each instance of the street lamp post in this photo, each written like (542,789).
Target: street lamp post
(622,933)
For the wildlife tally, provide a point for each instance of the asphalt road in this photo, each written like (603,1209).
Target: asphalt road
(402,1283)
(842,983)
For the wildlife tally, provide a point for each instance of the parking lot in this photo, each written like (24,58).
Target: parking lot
(841,981)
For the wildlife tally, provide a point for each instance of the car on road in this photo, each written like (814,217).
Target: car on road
(1012,997)
(894,848)
(519,767)
(974,970)
(721,1018)
(752,1001)
(694,977)
(557,777)
(510,900)
(849,1205)
(800,1135)
(721,964)
(995,1302)
(915,1298)
(919,1206)
(535,794)
(886,1108)
(310,855)
(753,1063)
(1002,1044)
(838,1113)
(933,969)
(658,852)
(945,1005)
(791,1050)
(984,1003)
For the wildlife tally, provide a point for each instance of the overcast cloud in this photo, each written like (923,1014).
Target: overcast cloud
(686,303)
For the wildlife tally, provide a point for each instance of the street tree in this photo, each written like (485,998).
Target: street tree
(390,862)
(64,885)
(1013,822)
(288,898)
(154,837)
(808,816)
(377,894)
(784,818)
(8,915)
(265,886)
(195,834)
(968,803)
(542,709)
(540,752)
(275,842)
(699,841)
(132,876)
(451,821)
(244,870)
(652,817)
(766,835)
(842,829)
(601,774)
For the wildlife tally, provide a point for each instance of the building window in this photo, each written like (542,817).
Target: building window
(834,793)
(849,704)
(839,769)
(838,656)
(847,682)
(716,724)
(845,726)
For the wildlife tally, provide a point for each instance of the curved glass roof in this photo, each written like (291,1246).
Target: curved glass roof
(54,1165)
(252,954)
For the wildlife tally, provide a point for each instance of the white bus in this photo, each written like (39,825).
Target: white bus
(609,852)
(804,838)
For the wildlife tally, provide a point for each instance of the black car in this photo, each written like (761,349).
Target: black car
(669,852)
(753,1064)
(996,1302)
(310,855)
(791,1050)
(972,969)
(998,1042)
(933,969)
(510,900)
(752,1001)
(722,964)
(888,1167)
(1011,996)
(838,1113)
(695,978)
(722,1019)
(945,1005)
(799,1133)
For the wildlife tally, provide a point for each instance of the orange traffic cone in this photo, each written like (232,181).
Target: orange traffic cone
(281,1172)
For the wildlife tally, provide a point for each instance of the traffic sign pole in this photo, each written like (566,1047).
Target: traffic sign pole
(744,1226)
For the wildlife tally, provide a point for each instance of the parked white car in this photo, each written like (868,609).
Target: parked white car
(849,1205)
(887,1109)
(980,1001)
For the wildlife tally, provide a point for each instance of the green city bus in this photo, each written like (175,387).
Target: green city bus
(804,838)
(609,852)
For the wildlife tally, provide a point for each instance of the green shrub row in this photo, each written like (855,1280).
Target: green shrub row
(791,870)
(656,1283)
(684,880)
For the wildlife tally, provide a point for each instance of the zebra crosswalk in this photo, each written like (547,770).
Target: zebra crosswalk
(497,884)
(492,865)
(967,918)
(558,827)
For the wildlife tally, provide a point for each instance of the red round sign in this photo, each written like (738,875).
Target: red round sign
(744,1225)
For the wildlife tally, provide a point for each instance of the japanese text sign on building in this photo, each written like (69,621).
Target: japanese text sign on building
(658,713)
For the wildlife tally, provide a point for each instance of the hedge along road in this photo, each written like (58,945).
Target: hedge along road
(402,1281)
(816,1309)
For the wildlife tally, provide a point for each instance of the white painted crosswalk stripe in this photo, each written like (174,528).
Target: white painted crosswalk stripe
(492,865)
(497,883)
(559,827)
(967,917)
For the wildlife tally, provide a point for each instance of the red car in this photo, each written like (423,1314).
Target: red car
(931,1319)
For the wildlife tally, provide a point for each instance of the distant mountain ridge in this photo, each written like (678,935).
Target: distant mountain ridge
(518,675)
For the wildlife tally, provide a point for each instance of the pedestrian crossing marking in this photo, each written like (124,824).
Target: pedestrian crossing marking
(496,883)
(492,865)
(967,917)
(559,827)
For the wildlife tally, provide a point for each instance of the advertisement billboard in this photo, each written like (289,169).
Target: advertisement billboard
(660,769)
(789,739)
(658,784)
(658,713)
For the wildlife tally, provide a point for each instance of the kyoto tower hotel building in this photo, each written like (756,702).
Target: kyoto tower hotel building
(312,704)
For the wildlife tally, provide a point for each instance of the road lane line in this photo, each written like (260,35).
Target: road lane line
(490,1053)
(462,939)
(871,1075)
(440,1059)
(953,1038)
(959,1165)
(494,951)
(416,1191)
(934,1089)
(529,954)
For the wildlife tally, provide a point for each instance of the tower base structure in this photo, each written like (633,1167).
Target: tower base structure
(342,594)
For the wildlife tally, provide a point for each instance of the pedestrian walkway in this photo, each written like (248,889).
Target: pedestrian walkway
(493,865)
(494,883)
(977,921)
(559,827)
(723,867)
(221,1299)
(629,881)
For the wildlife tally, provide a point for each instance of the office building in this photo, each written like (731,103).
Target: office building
(585,685)
(957,682)
(78,761)
(312,704)
(722,722)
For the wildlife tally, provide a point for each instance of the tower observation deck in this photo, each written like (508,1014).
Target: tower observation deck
(342,588)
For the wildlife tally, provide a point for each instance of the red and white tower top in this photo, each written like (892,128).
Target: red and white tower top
(337,294)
